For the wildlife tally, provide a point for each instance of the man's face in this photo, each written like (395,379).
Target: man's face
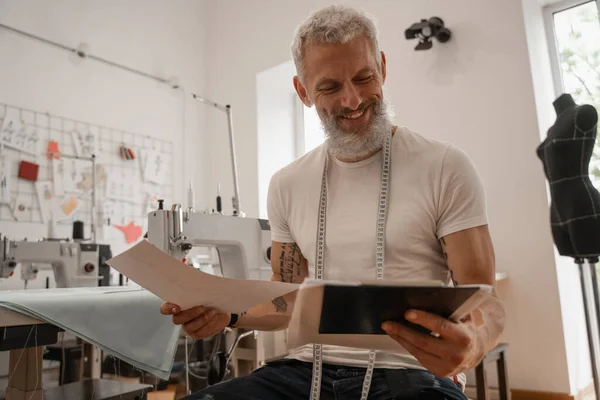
(344,83)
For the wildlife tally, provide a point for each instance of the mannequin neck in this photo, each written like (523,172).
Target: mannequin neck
(563,102)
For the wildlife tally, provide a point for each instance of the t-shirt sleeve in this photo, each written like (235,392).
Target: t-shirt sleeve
(278,217)
(462,202)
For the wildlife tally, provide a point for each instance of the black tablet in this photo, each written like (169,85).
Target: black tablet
(363,308)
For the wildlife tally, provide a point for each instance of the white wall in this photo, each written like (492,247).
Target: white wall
(276,118)
(475,91)
(161,39)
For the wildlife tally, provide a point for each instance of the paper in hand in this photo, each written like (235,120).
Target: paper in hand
(178,283)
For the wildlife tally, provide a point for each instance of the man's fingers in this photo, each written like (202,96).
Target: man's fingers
(188,315)
(209,329)
(442,326)
(169,309)
(423,341)
(199,321)
(431,362)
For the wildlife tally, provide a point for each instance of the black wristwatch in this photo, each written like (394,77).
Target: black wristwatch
(233,320)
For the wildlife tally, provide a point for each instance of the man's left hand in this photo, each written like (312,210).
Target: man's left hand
(455,349)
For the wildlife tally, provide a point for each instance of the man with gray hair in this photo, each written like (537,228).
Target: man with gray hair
(382,201)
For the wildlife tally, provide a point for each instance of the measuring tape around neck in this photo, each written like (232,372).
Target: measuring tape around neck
(315,390)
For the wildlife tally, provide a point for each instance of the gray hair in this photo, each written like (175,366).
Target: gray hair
(335,24)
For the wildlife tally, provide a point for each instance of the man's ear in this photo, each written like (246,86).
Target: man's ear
(383,67)
(301,90)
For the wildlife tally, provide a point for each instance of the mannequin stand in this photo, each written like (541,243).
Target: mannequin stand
(591,305)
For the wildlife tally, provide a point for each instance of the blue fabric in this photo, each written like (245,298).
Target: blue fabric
(123,322)
(291,379)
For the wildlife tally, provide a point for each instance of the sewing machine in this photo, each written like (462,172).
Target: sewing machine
(244,248)
(74,263)
(7,266)
(243,244)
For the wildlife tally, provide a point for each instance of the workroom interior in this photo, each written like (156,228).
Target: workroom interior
(163,123)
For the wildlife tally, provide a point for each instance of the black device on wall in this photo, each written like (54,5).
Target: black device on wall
(426,30)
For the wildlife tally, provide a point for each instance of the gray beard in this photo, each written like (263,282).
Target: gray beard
(356,144)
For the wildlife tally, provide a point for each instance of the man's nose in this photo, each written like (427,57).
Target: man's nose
(351,97)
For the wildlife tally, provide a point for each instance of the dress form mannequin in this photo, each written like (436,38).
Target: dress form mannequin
(575,208)
(566,153)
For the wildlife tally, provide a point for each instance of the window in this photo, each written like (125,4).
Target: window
(309,132)
(574,35)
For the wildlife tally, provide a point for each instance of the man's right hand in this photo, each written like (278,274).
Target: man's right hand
(198,322)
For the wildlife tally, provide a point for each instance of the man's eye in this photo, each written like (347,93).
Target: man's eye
(365,78)
(330,89)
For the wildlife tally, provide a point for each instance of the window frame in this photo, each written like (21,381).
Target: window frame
(549,11)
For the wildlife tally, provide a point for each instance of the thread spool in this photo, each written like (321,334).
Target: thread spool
(78,230)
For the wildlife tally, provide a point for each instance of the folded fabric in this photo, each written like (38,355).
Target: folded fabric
(122,321)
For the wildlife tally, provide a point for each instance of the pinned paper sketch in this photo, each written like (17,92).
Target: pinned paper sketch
(108,212)
(58,174)
(5,180)
(10,128)
(131,231)
(181,284)
(45,197)
(87,180)
(77,175)
(84,142)
(123,186)
(66,208)
(154,166)
(20,208)
(19,136)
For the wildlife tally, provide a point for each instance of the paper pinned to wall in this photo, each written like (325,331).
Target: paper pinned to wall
(65,208)
(181,284)
(72,174)
(19,136)
(123,186)
(154,167)
(20,208)
(84,142)
(58,177)
(5,180)
(87,179)
(46,200)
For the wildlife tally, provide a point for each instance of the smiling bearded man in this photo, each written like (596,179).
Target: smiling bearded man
(435,229)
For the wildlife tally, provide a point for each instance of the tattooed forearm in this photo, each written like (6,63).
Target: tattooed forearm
(445,253)
(289,262)
(280,304)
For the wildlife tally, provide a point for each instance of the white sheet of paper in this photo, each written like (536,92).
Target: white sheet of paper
(57,177)
(45,195)
(181,284)
(5,180)
(21,208)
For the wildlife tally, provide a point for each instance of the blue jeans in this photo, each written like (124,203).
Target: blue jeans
(291,379)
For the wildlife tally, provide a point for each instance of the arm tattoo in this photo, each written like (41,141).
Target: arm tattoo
(443,244)
(289,267)
(445,253)
(280,304)
(289,262)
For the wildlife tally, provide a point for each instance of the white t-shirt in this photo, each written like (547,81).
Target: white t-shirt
(434,191)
